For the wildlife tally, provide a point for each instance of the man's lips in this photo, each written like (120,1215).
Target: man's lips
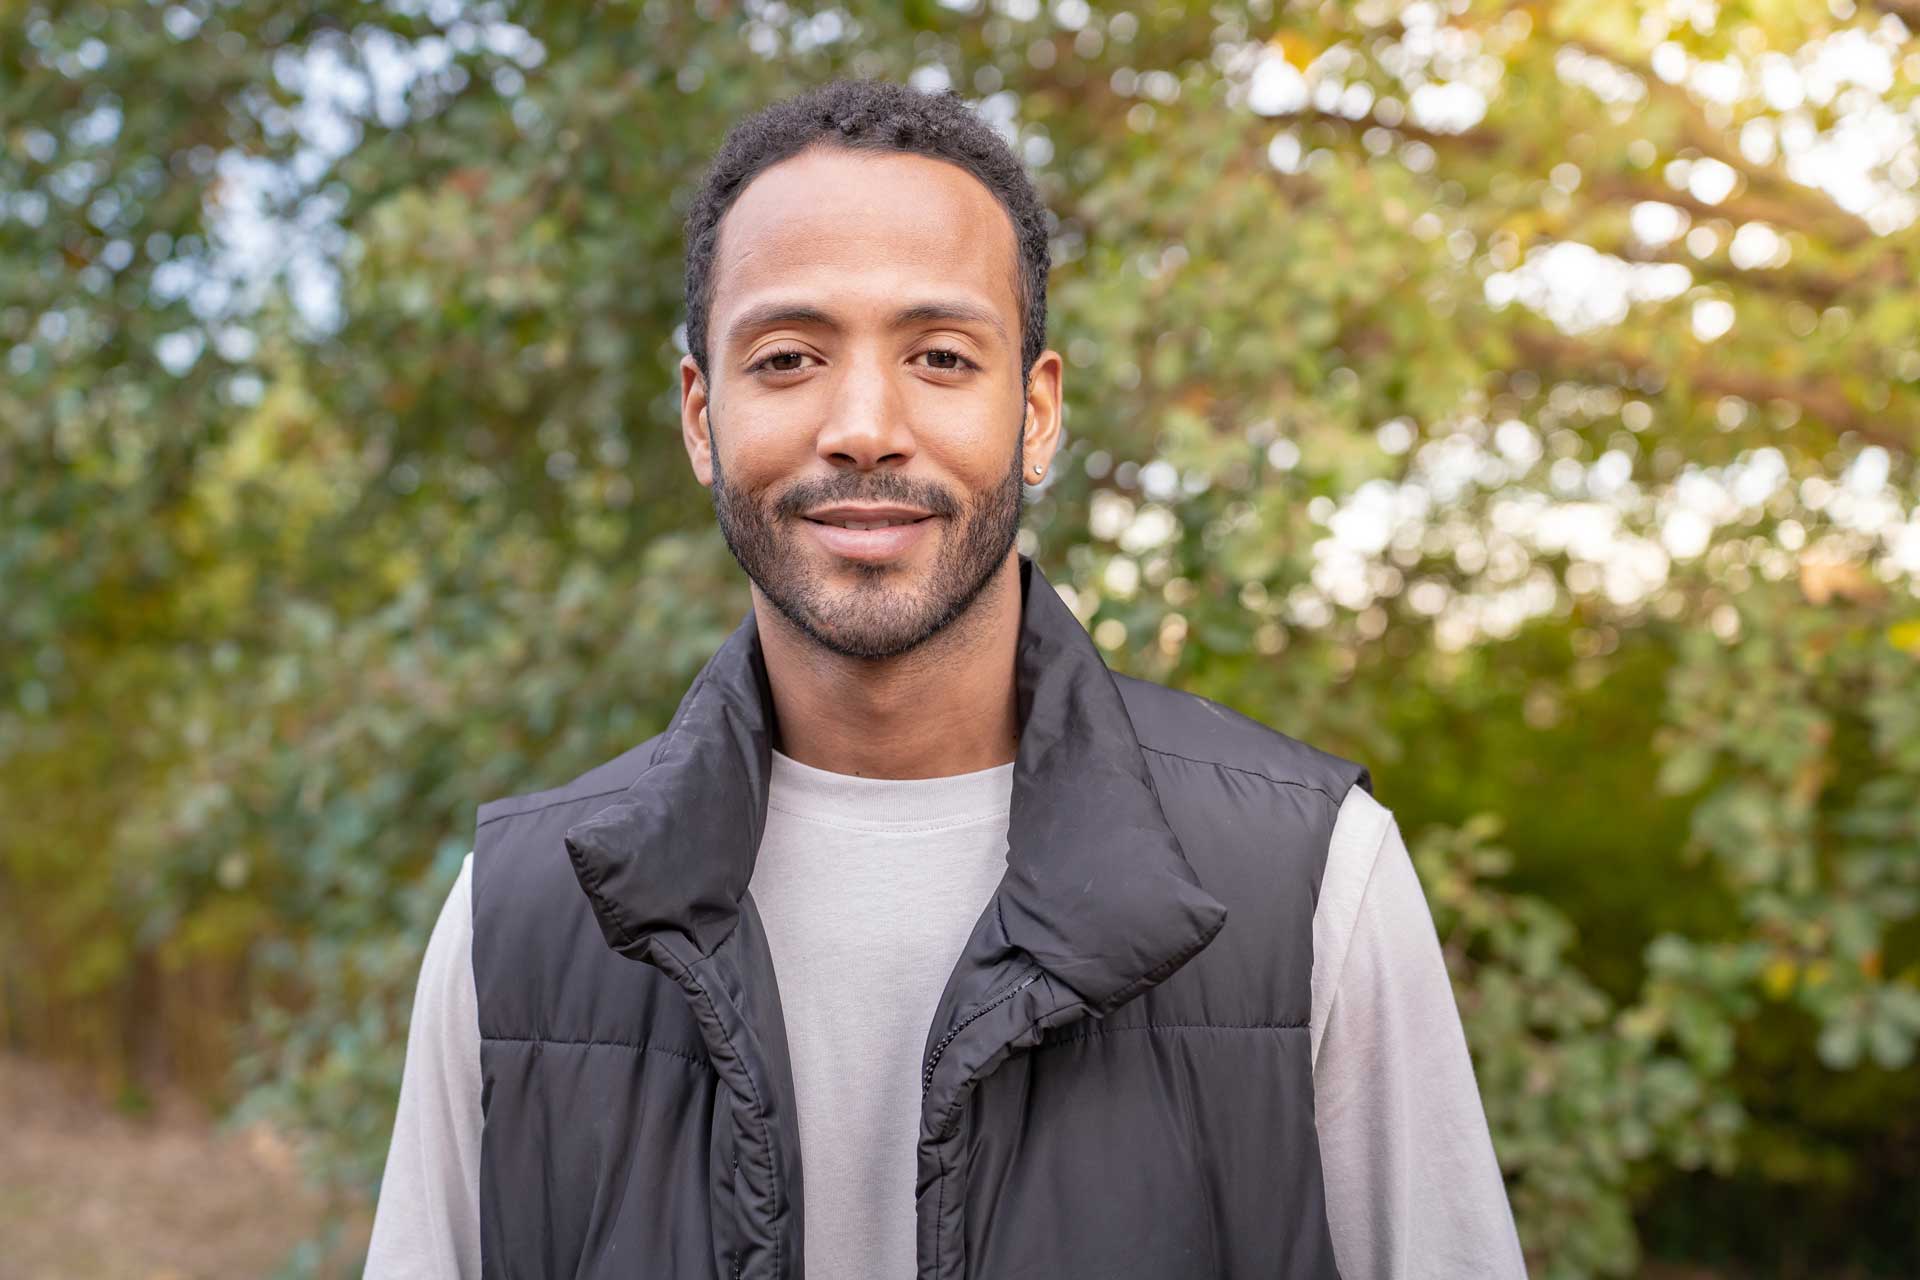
(872,545)
(866,515)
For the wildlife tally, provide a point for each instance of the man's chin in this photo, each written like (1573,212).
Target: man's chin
(864,642)
(869,620)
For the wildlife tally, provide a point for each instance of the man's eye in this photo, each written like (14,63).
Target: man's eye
(780,362)
(951,361)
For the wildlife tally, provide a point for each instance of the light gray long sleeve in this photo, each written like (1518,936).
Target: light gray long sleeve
(1413,1189)
(1412,1183)
(427,1223)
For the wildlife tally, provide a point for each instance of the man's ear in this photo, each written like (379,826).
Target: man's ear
(695,433)
(1041,431)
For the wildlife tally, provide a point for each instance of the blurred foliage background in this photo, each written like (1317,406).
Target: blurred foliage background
(1517,397)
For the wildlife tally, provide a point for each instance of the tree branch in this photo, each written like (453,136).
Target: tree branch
(1822,400)
(1768,184)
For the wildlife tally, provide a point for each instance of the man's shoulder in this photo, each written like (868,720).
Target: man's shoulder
(1192,727)
(541,962)
(523,878)
(602,781)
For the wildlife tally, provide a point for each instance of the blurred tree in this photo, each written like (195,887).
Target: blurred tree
(1518,397)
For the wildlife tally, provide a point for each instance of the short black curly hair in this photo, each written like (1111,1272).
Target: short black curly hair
(870,115)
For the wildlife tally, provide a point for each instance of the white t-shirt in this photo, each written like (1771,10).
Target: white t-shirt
(889,875)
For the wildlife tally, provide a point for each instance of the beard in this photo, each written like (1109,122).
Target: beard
(879,616)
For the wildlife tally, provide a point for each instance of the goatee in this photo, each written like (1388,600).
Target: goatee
(880,615)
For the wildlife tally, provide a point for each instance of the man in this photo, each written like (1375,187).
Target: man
(919,943)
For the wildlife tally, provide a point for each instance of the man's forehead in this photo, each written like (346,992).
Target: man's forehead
(833,221)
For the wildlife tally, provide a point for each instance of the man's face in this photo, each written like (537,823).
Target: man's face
(864,352)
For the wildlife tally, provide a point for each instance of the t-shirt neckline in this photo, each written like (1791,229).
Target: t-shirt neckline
(889,803)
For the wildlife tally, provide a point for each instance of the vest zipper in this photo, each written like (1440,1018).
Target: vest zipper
(736,1256)
(926,1076)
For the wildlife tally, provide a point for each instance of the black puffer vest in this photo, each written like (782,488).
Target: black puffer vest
(1116,1080)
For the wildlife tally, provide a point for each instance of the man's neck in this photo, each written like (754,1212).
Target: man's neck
(948,707)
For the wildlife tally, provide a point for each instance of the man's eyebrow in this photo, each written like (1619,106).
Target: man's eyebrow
(963,312)
(769,315)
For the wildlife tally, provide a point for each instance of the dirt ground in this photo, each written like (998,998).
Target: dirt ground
(87,1193)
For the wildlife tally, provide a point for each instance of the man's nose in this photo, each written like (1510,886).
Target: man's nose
(866,424)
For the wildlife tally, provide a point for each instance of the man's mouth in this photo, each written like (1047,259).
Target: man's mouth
(839,523)
(874,540)
(866,517)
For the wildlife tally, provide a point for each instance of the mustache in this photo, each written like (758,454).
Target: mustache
(807,495)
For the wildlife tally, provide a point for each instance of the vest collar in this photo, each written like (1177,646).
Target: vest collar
(1097,892)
